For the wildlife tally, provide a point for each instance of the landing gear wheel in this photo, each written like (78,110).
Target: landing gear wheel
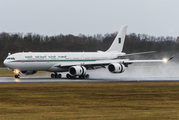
(17,76)
(87,76)
(52,75)
(56,75)
(59,76)
(80,77)
(84,76)
(68,76)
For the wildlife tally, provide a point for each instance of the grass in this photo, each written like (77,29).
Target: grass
(122,100)
(4,72)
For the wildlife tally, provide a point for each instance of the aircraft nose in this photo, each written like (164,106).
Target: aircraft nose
(5,63)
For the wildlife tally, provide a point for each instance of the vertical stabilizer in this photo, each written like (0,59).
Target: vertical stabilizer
(118,42)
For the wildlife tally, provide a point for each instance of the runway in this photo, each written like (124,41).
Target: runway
(132,74)
(64,80)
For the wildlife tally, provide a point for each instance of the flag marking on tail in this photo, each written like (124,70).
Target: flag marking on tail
(119,40)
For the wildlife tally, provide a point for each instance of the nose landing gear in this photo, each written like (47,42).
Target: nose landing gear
(17,73)
(17,76)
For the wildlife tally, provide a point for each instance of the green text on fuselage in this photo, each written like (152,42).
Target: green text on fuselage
(45,56)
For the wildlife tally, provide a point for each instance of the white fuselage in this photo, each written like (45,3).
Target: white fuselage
(47,61)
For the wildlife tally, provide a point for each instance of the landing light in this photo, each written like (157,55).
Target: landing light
(165,60)
(16,71)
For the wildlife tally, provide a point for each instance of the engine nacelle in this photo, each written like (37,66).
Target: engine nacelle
(116,68)
(28,72)
(77,70)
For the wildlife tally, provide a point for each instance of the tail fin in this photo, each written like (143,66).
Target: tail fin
(118,42)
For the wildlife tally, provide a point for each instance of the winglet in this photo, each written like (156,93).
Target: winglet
(166,60)
(170,58)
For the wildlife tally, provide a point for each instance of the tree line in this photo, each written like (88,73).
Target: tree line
(19,42)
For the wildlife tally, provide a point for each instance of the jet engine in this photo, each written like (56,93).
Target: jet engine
(77,70)
(116,68)
(28,72)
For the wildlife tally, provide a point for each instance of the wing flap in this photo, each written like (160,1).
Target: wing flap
(94,63)
(143,61)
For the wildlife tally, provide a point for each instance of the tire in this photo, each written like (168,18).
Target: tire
(17,76)
(87,76)
(52,75)
(68,76)
(81,77)
(59,75)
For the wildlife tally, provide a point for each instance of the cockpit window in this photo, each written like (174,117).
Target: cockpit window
(8,58)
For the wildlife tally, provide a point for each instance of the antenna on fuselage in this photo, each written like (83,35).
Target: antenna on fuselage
(9,54)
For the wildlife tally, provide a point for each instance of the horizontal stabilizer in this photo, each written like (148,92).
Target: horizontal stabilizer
(140,53)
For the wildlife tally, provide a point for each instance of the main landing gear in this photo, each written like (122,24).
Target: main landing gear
(86,76)
(68,76)
(55,75)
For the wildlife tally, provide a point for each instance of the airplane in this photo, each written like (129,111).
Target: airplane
(75,63)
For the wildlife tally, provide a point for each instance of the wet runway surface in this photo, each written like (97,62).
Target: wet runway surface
(64,80)
(132,74)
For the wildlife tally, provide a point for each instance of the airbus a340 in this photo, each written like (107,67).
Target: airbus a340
(75,63)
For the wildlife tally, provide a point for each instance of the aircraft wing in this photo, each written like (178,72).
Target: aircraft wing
(103,63)
(149,61)
(94,63)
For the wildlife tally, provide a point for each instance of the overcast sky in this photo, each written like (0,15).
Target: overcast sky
(89,17)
